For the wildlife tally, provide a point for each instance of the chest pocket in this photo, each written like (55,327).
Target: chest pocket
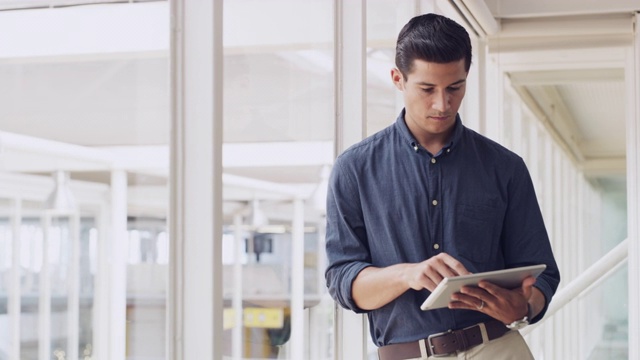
(477,232)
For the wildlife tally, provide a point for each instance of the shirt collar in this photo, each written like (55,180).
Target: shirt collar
(401,125)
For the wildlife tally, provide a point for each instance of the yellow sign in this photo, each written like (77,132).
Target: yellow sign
(229,318)
(272,318)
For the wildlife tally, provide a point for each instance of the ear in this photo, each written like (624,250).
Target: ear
(397,78)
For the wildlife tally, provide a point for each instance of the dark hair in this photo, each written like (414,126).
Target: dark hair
(432,38)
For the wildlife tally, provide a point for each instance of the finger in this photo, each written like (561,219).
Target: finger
(472,302)
(437,268)
(527,287)
(498,291)
(529,281)
(476,292)
(491,288)
(455,265)
(430,284)
(435,274)
(469,303)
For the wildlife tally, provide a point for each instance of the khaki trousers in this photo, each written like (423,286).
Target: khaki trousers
(510,346)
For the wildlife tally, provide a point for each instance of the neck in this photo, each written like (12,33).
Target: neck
(434,143)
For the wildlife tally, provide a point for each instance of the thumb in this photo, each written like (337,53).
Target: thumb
(527,285)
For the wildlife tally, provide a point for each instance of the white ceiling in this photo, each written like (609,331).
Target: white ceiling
(567,59)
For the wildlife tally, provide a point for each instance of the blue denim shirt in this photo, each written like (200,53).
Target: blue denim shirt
(391,201)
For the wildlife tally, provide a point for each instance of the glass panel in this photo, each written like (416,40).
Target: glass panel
(147,267)
(85,93)
(31,245)
(59,251)
(278,146)
(6,264)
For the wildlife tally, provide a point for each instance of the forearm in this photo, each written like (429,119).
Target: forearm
(376,287)
(537,302)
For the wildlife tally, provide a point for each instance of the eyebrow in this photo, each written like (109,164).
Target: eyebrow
(455,83)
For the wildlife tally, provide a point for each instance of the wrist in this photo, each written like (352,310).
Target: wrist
(530,314)
(520,323)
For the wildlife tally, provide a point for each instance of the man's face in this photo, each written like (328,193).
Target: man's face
(432,96)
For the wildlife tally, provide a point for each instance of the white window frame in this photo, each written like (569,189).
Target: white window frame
(195,304)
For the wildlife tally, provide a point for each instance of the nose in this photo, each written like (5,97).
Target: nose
(441,102)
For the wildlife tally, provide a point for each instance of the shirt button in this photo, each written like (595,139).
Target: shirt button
(433,160)
(448,150)
(434,202)
(436,246)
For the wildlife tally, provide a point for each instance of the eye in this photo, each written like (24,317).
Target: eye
(452,89)
(427,90)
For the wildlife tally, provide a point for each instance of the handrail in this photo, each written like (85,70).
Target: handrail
(590,278)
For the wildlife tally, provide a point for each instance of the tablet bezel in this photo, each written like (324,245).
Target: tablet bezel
(508,278)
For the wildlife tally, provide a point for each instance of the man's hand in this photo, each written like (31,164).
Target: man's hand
(429,273)
(499,303)
(375,287)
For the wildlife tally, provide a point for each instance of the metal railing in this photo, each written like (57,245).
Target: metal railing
(585,282)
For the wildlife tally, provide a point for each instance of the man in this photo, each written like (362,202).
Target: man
(427,198)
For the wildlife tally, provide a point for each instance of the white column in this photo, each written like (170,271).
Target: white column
(321,256)
(118,266)
(73,287)
(494,98)
(195,297)
(15,290)
(297,282)
(101,316)
(44,301)
(560,253)
(633,189)
(549,195)
(317,314)
(350,95)
(238,239)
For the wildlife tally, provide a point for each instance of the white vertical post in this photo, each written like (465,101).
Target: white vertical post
(73,285)
(582,239)
(238,239)
(515,123)
(101,317)
(321,262)
(15,290)
(547,211)
(350,106)
(482,89)
(44,301)
(494,98)
(633,189)
(118,266)
(195,304)
(560,245)
(317,316)
(574,213)
(297,282)
(566,249)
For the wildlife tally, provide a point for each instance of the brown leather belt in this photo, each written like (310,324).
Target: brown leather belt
(443,343)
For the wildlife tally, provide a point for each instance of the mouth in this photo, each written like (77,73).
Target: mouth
(440,118)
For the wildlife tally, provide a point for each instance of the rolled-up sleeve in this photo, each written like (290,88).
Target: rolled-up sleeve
(346,237)
(524,237)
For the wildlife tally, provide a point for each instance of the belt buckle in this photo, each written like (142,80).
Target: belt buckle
(433,347)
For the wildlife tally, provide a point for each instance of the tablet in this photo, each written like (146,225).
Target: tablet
(508,278)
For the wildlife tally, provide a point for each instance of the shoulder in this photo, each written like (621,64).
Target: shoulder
(490,150)
(363,151)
